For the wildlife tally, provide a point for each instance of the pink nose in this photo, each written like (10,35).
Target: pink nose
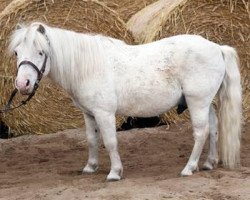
(23,85)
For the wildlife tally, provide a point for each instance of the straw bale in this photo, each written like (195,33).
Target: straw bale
(3,4)
(51,108)
(146,23)
(127,8)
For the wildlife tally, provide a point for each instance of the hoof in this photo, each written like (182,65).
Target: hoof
(186,173)
(114,175)
(188,170)
(89,169)
(207,166)
(210,164)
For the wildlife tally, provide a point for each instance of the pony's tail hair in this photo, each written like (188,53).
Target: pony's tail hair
(230,110)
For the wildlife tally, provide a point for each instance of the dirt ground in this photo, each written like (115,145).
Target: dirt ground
(49,167)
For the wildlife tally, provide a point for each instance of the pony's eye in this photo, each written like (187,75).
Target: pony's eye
(40,53)
(15,53)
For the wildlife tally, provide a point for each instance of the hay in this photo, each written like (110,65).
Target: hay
(3,4)
(51,109)
(224,22)
(145,24)
(127,8)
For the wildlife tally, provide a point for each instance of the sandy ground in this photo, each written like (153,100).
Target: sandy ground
(49,167)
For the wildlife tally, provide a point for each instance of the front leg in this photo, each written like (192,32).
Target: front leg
(92,133)
(106,123)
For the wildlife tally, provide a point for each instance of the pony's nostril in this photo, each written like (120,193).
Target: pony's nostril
(27,82)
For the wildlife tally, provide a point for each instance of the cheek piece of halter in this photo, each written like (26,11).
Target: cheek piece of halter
(39,77)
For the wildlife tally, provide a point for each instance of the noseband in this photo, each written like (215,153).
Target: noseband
(39,77)
(39,72)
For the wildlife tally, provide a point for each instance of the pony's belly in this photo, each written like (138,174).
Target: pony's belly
(148,105)
(147,91)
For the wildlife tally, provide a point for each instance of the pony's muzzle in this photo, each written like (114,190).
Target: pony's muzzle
(23,86)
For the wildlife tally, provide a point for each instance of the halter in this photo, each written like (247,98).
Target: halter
(39,72)
(39,77)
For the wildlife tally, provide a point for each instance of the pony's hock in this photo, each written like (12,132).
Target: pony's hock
(106,76)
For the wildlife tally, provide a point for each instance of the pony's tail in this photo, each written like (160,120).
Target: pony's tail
(230,110)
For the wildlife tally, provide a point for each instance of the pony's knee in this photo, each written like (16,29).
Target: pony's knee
(110,143)
(92,143)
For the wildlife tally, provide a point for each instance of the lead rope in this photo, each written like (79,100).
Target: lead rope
(13,94)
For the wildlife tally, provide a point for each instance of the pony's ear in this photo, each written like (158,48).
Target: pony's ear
(18,26)
(41,29)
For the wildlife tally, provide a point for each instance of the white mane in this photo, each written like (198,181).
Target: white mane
(74,57)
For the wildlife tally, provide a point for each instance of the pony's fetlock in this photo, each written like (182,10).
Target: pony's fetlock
(210,164)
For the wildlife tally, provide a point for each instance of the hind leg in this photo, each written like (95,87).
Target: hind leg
(200,120)
(212,159)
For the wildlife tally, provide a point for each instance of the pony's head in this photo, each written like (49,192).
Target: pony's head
(30,44)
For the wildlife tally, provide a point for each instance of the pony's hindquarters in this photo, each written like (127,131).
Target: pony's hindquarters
(230,111)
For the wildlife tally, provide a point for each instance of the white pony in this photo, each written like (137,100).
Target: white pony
(105,77)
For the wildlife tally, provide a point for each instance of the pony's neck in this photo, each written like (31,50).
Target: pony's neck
(75,57)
